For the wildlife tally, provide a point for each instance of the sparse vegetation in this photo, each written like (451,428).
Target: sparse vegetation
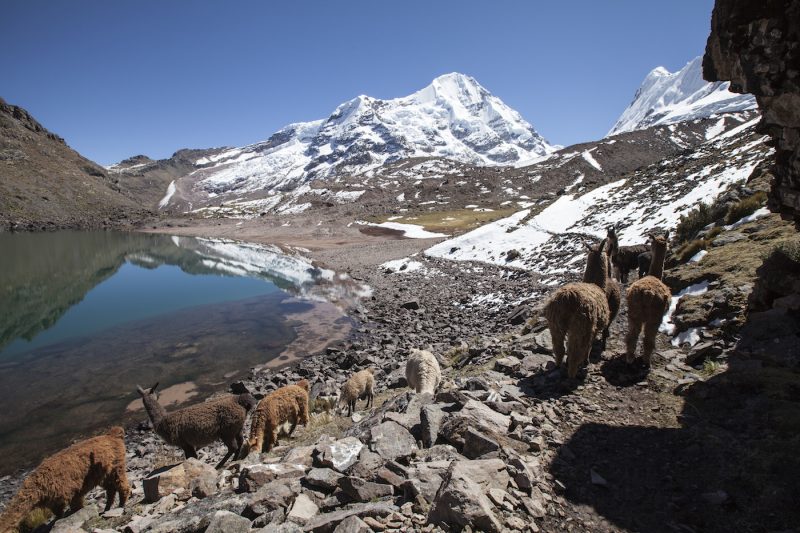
(745,207)
(710,367)
(691,223)
(35,518)
(450,221)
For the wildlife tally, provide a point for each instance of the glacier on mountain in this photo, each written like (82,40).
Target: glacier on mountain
(666,98)
(453,117)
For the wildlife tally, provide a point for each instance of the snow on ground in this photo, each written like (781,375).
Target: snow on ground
(715,129)
(760,213)
(403,265)
(170,191)
(410,231)
(667,326)
(587,155)
(696,258)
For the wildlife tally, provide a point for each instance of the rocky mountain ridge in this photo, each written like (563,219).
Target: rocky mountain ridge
(44,184)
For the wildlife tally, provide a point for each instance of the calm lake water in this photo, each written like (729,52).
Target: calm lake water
(86,316)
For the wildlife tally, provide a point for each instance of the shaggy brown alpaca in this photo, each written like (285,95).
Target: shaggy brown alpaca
(199,425)
(598,271)
(65,478)
(579,312)
(287,404)
(648,300)
(624,258)
(360,385)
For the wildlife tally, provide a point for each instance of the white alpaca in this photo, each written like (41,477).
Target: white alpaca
(422,371)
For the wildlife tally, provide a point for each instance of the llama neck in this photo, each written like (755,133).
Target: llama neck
(154,409)
(596,270)
(657,264)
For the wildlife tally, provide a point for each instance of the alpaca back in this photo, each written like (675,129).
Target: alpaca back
(359,384)
(422,371)
(576,304)
(70,473)
(201,424)
(286,404)
(648,298)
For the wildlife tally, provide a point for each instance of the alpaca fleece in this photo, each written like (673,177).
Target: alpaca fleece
(360,385)
(598,271)
(422,371)
(65,478)
(286,404)
(577,312)
(199,425)
(648,300)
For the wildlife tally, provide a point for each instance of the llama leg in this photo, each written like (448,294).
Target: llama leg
(634,327)
(230,443)
(123,486)
(111,491)
(189,451)
(579,344)
(239,444)
(304,414)
(649,342)
(58,510)
(558,344)
(76,504)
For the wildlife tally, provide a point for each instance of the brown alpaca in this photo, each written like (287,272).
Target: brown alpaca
(648,300)
(287,404)
(65,478)
(199,425)
(598,271)
(579,312)
(360,385)
(624,258)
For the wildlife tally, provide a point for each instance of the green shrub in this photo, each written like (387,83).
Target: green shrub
(745,207)
(696,219)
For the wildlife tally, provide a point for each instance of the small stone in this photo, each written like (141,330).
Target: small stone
(228,522)
(352,524)
(341,454)
(303,510)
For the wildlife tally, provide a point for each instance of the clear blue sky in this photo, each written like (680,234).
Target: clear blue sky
(120,78)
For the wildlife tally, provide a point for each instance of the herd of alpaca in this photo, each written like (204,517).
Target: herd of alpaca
(576,312)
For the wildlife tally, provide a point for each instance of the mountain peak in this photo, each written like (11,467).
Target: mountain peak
(666,97)
(454,117)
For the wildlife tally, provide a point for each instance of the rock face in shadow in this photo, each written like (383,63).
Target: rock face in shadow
(755,44)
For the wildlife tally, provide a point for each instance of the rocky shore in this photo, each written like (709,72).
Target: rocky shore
(508,443)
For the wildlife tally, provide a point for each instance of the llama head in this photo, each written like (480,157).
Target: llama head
(144,393)
(659,240)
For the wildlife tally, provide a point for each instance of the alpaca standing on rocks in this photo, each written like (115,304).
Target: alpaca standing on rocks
(65,478)
(286,404)
(360,385)
(422,371)
(199,425)
(648,300)
(598,272)
(624,258)
(579,311)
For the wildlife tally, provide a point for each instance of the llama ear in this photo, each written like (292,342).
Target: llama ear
(153,388)
(666,235)
(141,390)
(587,245)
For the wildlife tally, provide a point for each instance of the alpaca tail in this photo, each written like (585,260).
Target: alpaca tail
(18,508)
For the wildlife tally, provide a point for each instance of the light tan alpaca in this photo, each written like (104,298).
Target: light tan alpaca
(579,312)
(65,478)
(595,273)
(648,300)
(286,404)
(360,385)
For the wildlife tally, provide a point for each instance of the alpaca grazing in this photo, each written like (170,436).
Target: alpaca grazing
(65,478)
(624,258)
(361,385)
(580,311)
(648,300)
(286,404)
(422,371)
(199,425)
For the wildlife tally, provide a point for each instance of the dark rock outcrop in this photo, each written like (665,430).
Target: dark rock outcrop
(755,44)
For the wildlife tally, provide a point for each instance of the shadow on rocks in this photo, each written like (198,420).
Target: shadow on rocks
(732,465)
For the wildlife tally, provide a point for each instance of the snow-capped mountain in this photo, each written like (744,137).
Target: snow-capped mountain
(453,117)
(666,98)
